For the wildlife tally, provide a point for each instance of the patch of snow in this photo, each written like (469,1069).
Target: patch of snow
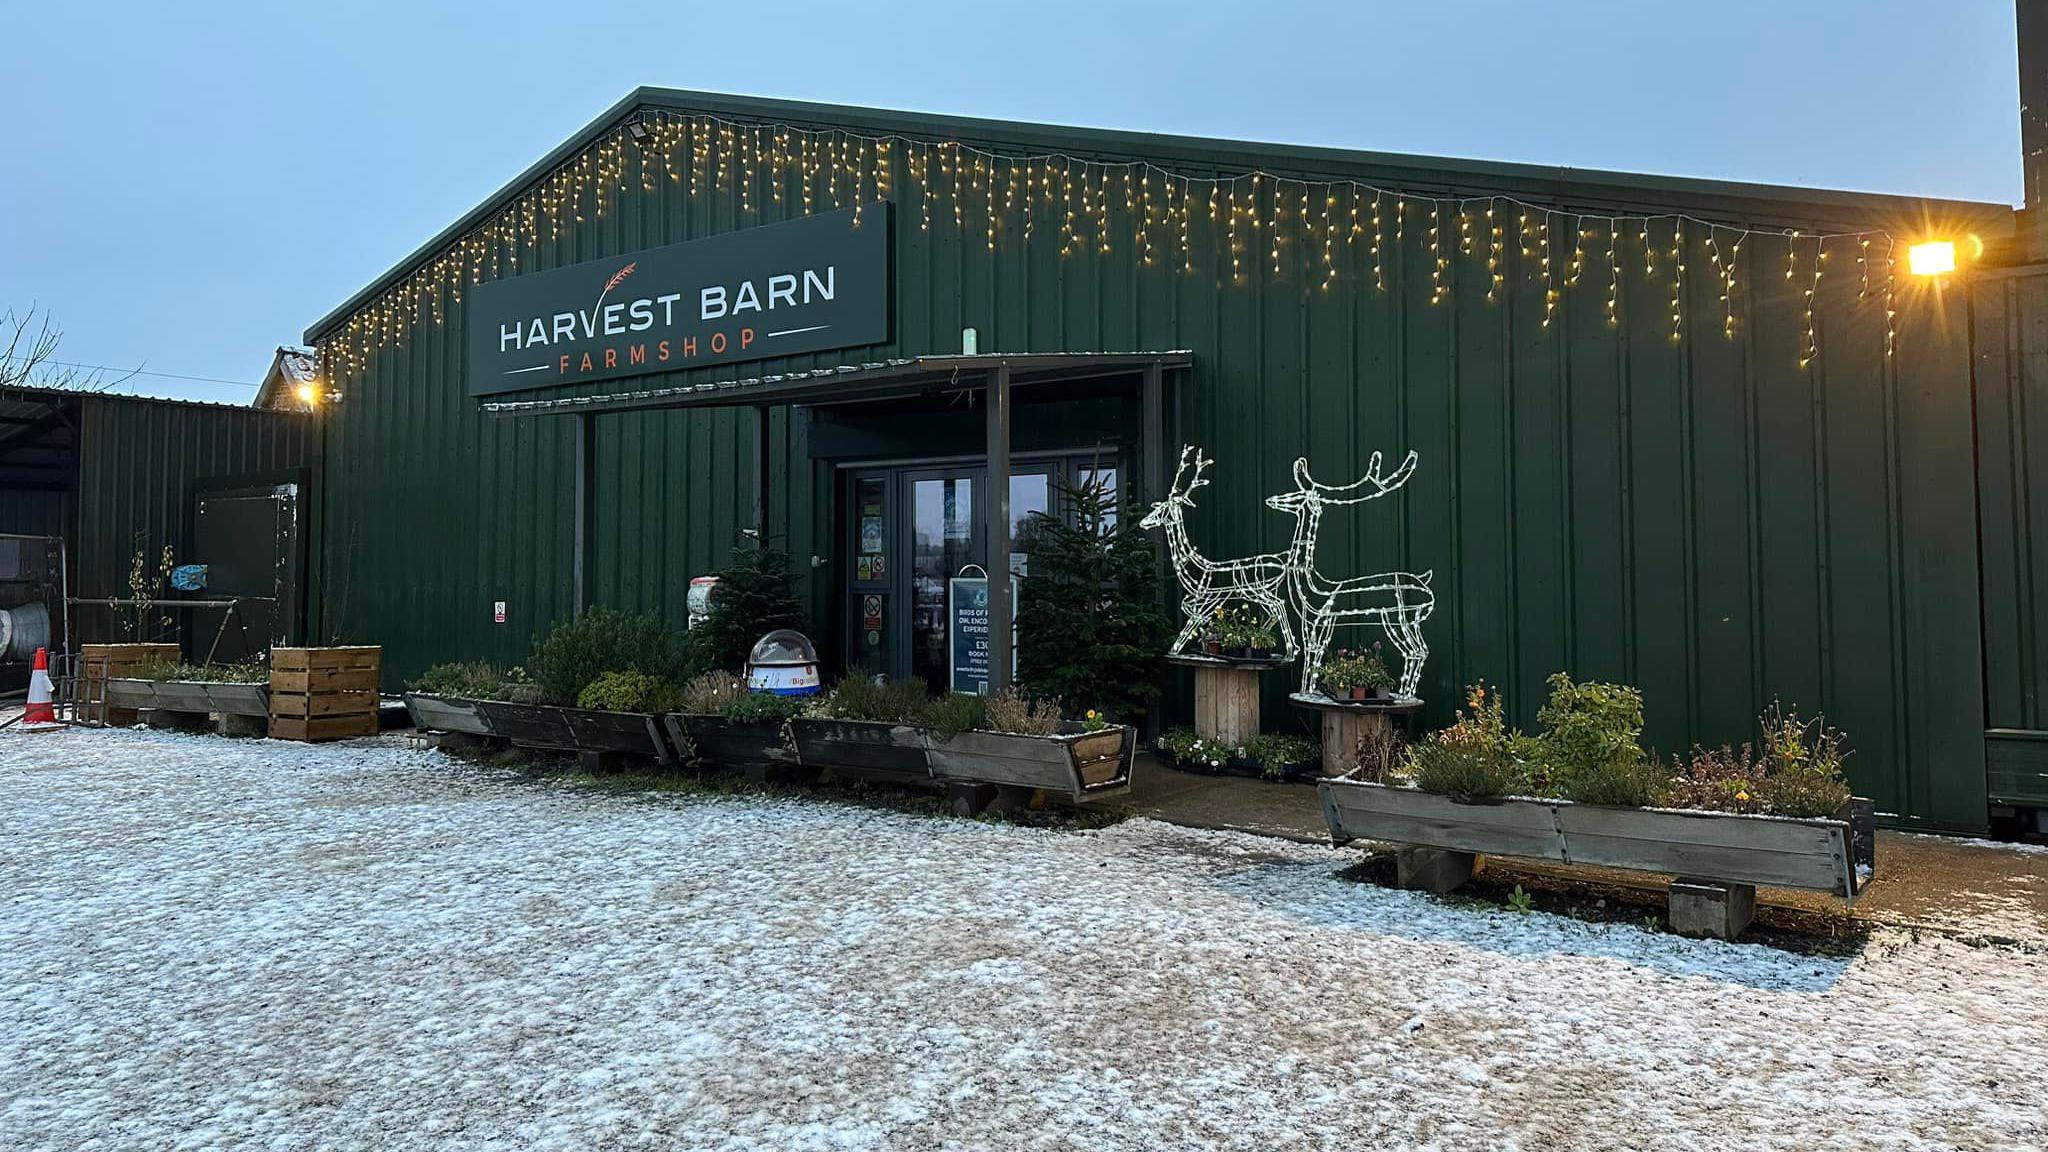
(253,944)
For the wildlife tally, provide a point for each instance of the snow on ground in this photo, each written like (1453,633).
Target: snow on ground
(216,944)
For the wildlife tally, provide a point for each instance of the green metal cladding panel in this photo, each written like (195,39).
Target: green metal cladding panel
(1706,518)
(2010,315)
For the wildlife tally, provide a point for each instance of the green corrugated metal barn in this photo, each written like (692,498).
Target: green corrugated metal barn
(1710,439)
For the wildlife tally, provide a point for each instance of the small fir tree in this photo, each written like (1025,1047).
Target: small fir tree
(756,595)
(1089,627)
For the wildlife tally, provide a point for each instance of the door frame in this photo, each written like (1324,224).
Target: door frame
(898,475)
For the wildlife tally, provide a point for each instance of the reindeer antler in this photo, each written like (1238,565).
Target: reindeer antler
(1373,484)
(1201,465)
(1187,452)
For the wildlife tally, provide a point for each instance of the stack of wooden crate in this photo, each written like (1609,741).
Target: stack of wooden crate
(324,693)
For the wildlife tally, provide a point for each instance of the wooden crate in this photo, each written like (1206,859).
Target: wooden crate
(99,662)
(324,693)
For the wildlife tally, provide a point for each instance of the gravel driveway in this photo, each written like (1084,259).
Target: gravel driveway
(249,944)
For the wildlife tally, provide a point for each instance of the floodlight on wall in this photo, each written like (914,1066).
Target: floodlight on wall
(1932,258)
(637,129)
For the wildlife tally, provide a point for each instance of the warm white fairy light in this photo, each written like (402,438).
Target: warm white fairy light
(756,163)
(1494,277)
(1437,262)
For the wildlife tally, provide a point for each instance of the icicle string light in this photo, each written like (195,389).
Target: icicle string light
(752,165)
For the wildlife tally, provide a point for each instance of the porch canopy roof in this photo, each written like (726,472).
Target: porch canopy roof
(994,373)
(850,383)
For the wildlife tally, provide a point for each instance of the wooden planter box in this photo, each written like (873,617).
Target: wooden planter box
(446,714)
(196,696)
(1726,847)
(866,747)
(1077,764)
(751,746)
(574,729)
(324,693)
(102,662)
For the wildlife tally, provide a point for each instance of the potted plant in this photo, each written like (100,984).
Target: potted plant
(1188,751)
(1343,676)
(1212,635)
(1246,634)
(1374,675)
(1282,757)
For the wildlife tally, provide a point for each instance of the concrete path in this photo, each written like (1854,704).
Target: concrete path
(1940,883)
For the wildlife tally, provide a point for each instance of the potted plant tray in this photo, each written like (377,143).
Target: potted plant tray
(576,729)
(195,696)
(1783,852)
(447,714)
(1075,763)
(743,745)
(861,746)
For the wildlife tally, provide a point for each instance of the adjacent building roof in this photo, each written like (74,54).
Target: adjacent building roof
(289,368)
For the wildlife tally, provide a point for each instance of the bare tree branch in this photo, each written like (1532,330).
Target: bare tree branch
(28,347)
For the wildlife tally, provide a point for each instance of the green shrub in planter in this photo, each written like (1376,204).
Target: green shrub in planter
(471,680)
(628,691)
(859,698)
(749,707)
(1591,749)
(954,713)
(1462,772)
(254,672)
(579,649)
(1803,766)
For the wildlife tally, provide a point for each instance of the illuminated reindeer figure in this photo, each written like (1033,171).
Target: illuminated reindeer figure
(1207,585)
(1398,601)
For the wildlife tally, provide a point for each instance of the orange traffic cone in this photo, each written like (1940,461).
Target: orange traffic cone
(41,715)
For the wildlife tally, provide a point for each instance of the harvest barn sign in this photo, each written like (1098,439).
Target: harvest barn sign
(804,285)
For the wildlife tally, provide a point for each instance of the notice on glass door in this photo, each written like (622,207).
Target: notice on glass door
(967,633)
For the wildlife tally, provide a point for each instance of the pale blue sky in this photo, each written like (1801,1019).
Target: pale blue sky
(185,186)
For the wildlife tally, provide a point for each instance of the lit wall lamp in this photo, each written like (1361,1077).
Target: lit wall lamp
(313,395)
(1932,258)
(1942,257)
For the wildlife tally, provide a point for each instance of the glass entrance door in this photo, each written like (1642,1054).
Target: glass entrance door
(945,537)
(914,529)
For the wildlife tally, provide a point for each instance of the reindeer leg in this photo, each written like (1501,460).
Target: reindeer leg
(1193,611)
(1316,642)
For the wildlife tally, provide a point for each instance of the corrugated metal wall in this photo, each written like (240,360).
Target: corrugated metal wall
(2010,314)
(1708,518)
(138,463)
(33,512)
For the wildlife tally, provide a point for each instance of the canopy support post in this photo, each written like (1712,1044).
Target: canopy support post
(997,530)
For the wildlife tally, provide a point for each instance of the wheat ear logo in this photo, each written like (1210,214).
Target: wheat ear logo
(618,278)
